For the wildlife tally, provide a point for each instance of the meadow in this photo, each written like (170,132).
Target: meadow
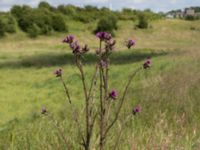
(168,93)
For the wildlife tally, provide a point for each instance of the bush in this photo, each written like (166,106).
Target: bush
(190,18)
(107,24)
(17,11)
(143,22)
(58,23)
(44,5)
(10,25)
(2,28)
(33,31)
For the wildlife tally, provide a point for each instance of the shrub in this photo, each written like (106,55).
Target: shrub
(190,18)
(17,11)
(10,25)
(143,22)
(44,5)
(33,31)
(2,28)
(107,24)
(58,23)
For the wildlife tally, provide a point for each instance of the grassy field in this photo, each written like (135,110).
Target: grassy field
(168,93)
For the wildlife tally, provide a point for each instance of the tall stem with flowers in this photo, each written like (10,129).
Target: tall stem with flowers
(105,118)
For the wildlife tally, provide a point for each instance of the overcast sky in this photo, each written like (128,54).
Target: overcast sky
(156,5)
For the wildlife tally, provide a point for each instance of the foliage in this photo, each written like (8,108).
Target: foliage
(10,25)
(58,23)
(44,5)
(107,24)
(143,22)
(33,31)
(2,28)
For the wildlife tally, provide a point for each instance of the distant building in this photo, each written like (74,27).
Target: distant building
(169,16)
(179,14)
(189,12)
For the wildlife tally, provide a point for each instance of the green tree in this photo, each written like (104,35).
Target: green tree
(58,23)
(2,28)
(143,22)
(108,24)
(44,4)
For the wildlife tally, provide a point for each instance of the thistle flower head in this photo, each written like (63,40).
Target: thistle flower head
(147,63)
(104,36)
(103,63)
(113,94)
(130,43)
(69,39)
(76,48)
(43,110)
(136,110)
(58,72)
(98,51)
(110,45)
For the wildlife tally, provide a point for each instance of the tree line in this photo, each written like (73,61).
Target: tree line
(46,19)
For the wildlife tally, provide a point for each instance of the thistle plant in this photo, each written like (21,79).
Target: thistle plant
(103,116)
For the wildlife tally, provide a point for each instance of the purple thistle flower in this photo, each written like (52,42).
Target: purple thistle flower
(69,39)
(104,36)
(103,63)
(75,47)
(43,111)
(130,43)
(147,63)
(58,72)
(98,51)
(113,94)
(136,110)
(110,45)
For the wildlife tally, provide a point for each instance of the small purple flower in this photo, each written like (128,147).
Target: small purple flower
(113,94)
(75,47)
(136,110)
(104,36)
(58,72)
(103,63)
(110,45)
(69,39)
(43,111)
(130,43)
(98,51)
(147,63)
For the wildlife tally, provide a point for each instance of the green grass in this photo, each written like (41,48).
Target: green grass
(168,93)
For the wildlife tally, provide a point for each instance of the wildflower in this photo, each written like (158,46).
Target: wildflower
(130,43)
(147,63)
(104,36)
(113,94)
(85,49)
(98,51)
(69,39)
(110,45)
(136,110)
(75,47)
(58,72)
(43,111)
(103,63)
